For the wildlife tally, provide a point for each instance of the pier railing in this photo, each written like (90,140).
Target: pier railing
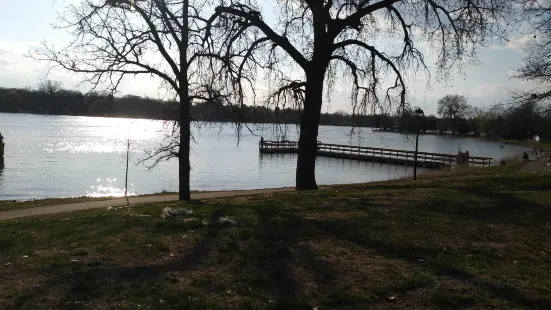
(372,153)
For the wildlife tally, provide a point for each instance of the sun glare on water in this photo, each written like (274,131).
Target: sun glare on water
(108,189)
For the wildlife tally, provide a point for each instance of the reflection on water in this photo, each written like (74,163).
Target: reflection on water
(65,156)
(108,188)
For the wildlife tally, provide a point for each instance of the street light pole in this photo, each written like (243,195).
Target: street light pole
(418,113)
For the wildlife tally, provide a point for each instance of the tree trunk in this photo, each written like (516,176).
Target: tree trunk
(184,166)
(309,123)
(453,126)
(126,175)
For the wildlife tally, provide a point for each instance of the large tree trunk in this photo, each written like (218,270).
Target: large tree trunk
(309,123)
(184,166)
(453,126)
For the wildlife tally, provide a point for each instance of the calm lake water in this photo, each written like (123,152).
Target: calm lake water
(66,156)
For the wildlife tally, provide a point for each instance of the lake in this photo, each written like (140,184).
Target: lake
(68,156)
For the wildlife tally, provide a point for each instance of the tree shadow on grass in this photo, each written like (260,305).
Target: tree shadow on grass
(412,254)
(87,284)
(499,206)
(264,257)
(504,207)
(487,200)
(265,266)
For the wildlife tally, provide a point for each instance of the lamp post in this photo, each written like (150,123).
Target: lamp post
(418,114)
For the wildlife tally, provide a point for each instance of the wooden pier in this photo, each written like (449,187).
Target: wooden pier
(391,156)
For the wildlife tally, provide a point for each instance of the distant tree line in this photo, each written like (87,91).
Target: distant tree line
(521,121)
(51,98)
(514,121)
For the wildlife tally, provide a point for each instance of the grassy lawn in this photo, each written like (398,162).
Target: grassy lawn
(546,146)
(477,240)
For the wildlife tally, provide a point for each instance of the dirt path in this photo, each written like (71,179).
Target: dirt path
(13,214)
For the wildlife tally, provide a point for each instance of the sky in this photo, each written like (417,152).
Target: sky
(25,24)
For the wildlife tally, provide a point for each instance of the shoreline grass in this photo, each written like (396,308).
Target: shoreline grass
(478,240)
(529,143)
(8,205)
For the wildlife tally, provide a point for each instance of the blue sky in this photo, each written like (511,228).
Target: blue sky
(25,23)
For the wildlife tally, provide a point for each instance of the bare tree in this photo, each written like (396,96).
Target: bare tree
(370,45)
(453,107)
(125,158)
(537,64)
(114,39)
(49,87)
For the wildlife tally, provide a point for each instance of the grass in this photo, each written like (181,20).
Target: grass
(514,164)
(546,146)
(6,205)
(460,241)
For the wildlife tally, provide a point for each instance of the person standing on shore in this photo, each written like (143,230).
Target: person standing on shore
(1,149)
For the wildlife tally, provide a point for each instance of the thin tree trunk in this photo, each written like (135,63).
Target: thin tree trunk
(126,175)
(309,123)
(185,123)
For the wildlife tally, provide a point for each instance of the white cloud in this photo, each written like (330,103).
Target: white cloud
(488,90)
(18,70)
(517,43)
(511,73)
(4,62)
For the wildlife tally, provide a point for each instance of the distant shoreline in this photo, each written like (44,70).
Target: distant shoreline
(169,120)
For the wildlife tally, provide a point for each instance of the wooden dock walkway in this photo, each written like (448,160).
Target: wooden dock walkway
(392,156)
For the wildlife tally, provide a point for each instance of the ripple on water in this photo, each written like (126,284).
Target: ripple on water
(108,188)
(67,156)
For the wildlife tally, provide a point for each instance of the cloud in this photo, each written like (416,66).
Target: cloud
(21,71)
(16,48)
(488,90)
(511,73)
(518,43)
(476,62)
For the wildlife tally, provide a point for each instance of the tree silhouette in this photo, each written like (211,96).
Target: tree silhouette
(49,87)
(537,63)
(160,38)
(453,107)
(369,45)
